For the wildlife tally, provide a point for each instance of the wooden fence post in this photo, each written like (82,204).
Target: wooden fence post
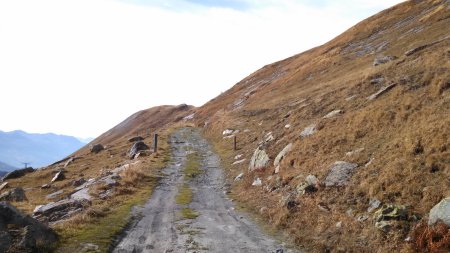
(155,143)
(235,143)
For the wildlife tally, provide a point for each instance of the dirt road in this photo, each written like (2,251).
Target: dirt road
(160,226)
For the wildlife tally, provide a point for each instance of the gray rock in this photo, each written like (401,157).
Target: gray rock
(17,173)
(440,211)
(259,160)
(391,212)
(58,176)
(309,130)
(377,80)
(381,91)
(54,195)
(135,139)
(269,137)
(78,182)
(227,132)
(89,247)
(69,162)
(257,182)
(373,204)
(82,194)
(15,194)
(136,148)
(45,186)
(282,154)
(34,230)
(312,180)
(333,114)
(384,226)
(56,211)
(383,59)
(97,148)
(340,173)
(239,177)
(239,161)
(357,151)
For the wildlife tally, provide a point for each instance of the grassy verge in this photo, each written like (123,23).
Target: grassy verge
(184,197)
(104,220)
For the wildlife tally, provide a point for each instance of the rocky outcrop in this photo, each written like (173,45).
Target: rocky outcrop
(136,148)
(16,194)
(17,173)
(282,154)
(309,130)
(56,211)
(340,173)
(259,160)
(333,114)
(383,59)
(97,148)
(58,176)
(30,231)
(381,91)
(440,212)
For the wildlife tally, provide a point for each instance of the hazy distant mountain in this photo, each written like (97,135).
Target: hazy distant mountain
(6,167)
(39,150)
(86,140)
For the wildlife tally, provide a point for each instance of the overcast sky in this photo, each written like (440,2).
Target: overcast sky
(79,67)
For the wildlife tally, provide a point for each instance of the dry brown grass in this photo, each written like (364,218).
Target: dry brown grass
(434,239)
(405,132)
(133,175)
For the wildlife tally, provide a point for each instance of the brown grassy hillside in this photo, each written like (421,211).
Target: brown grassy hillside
(404,133)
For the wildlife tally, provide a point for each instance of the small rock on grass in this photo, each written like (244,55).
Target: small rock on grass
(257,182)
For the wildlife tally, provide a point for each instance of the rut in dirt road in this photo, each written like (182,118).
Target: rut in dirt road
(206,223)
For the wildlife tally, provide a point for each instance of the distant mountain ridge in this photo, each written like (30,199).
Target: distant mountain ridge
(17,147)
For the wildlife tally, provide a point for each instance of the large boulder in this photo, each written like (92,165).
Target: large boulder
(17,173)
(32,230)
(137,147)
(440,212)
(282,154)
(259,160)
(340,173)
(58,176)
(136,139)
(97,148)
(15,194)
(56,211)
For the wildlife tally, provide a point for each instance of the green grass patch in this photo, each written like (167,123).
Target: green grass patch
(184,196)
(189,213)
(192,168)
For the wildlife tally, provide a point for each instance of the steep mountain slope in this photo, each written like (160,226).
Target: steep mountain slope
(38,149)
(387,82)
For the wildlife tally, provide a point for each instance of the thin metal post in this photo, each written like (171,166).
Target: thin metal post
(155,143)
(235,143)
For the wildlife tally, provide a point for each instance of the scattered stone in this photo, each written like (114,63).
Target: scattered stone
(340,173)
(89,247)
(69,161)
(97,148)
(269,137)
(362,218)
(333,114)
(136,148)
(58,176)
(373,204)
(390,212)
(78,182)
(239,177)
(4,186)
(238,156)
(351,98)
(15,194)
(259,160)
(257,182)
(45,186)
(312,180)
(282,154)
(82,194)
(17,173)
(189,117)
(54,195)
(142,153)
(287,126)
(227,132)
(377,80)
(277,169)
(369,162)
(323,207)
(289,201)
(339,224)
(383,60)
(34,231)
(309,130)
(247,131)
(354,152)
(440,211)
(309,186)
(384,226)
(239,162)
(381,91)
(136,139)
